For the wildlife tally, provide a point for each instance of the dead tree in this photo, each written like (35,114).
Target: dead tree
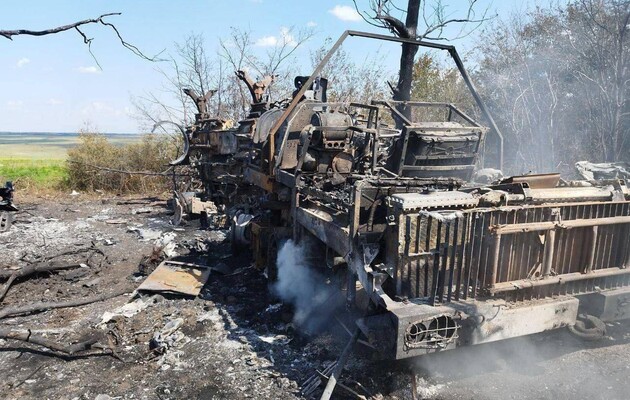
(434,19)
(77,26)
(44,306)
(26,335)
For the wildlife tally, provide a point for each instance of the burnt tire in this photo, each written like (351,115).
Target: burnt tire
(588,327)
(6,219)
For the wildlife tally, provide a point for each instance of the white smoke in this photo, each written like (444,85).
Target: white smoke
(304,288)
(528,367)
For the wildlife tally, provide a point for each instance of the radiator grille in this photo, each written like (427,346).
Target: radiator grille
(450,256)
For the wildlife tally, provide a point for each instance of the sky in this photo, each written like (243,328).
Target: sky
(52,83)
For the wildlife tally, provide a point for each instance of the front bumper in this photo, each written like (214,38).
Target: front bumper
(416,329)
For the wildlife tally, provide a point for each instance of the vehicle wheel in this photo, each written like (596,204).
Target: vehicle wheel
(588,327)
(6,219)
(240,232)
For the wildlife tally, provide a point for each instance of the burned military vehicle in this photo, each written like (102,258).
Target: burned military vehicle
(444,262)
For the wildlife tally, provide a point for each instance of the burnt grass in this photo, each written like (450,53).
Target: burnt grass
(237,339)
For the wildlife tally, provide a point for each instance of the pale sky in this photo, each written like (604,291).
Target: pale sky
(52,84)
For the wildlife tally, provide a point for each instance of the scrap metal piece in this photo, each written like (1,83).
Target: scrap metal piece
(415,201)
(535,181)
(256,89)
(183,156)
(177,278)
(6,220)
(597,171)
(334,377)
(6,196)
(178,214)
(6,207)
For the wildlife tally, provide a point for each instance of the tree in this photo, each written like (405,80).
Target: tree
(598,40)
(237,51)
(434,20)
(558,82)
(191,68)
(521,79)
(349,80)
(77,26)
(434,82)
(188,68)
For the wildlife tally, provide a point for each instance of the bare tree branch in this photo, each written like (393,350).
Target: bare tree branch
(166,172)
(26,335)
(44,306)
(10,33)
(367,18)
(88,41)
(434,20)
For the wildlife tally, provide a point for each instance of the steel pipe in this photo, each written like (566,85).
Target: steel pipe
(550,248)
(495,260)
(592,250)
(545,226)
(557,280)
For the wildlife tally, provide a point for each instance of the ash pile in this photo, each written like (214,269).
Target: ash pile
(106,297)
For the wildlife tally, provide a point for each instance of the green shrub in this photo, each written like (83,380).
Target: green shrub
(94,162)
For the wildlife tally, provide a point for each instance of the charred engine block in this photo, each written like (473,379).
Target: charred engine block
(335,145)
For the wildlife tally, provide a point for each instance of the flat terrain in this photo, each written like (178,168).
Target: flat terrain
(47,146)
(234,341)
(39,158)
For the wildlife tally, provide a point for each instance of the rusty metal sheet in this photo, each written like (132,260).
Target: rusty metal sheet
(536,181)
(176,277)
(506,229)
(597,171)
(259,179)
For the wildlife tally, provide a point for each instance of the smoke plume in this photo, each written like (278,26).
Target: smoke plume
(540,366)
(304,288)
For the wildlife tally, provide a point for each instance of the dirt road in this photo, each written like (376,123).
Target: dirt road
(234,341)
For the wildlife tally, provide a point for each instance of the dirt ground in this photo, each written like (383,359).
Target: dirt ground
(234,341)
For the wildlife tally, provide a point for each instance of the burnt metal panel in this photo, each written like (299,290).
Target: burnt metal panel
(516,253)
(609,305)
(417,329)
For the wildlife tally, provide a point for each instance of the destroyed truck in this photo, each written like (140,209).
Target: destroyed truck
(386,202)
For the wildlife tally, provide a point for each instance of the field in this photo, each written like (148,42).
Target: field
(39,158)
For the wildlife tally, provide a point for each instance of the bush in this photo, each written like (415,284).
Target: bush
(93,163)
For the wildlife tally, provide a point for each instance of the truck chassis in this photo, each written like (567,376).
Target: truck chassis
(386,197)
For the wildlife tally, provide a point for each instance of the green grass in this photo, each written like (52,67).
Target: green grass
(43,173)
(38,160)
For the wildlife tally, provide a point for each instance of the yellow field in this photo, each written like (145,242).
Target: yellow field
(48,146)
(39,158)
